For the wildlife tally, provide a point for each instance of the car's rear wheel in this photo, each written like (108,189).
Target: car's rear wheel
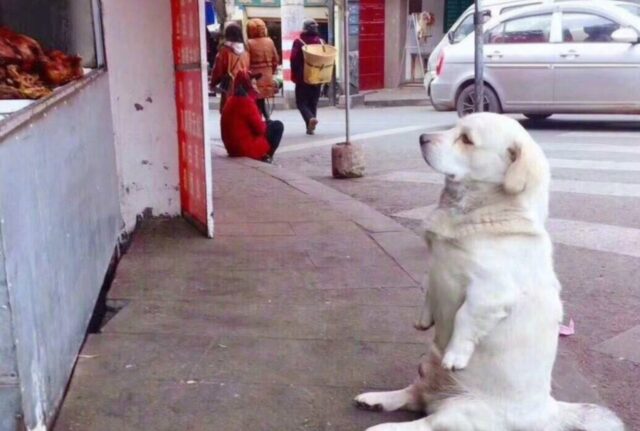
(537,117)
(465,103)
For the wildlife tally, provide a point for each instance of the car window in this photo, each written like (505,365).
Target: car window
(465,28)
(584,27)
(529,29)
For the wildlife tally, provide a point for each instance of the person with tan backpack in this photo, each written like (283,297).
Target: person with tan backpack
(307,95)
(232,57)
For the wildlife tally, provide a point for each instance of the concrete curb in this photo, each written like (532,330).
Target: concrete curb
(396,103)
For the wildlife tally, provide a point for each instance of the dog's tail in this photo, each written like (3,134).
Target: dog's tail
(586,417)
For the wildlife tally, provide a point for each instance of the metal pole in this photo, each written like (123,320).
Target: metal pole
(332,41)
(479,59)
(347,77)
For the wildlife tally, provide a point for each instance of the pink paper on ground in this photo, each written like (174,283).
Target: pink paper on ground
(568,330)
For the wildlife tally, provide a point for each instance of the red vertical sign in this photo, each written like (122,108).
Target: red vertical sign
(372,17)
(195,156)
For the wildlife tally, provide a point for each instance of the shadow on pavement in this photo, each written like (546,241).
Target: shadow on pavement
(588,124)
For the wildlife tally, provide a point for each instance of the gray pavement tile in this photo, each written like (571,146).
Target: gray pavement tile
(301,212)
(253,229)
(135,358)
(613,210)
(361,364)
(276,320)
(262,285)
(304,287)
(625,346)
(331,251)
(598,292)
(569,383)
(367,217)
(140,357)
(170,406)
(318,190)
(326,228)
(170,264)
(617,383)
(407,249)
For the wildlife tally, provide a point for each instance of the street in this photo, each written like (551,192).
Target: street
(594,217)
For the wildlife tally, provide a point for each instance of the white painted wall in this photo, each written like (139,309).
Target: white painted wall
(60,221)
(138,42)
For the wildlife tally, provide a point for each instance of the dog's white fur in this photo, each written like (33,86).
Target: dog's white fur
(492,293)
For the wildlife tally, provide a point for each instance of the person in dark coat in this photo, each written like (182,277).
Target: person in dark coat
(244,134)
(307,95)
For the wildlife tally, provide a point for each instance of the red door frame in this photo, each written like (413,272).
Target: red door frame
(189,50)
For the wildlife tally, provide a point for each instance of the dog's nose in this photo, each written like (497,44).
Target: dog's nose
(424,140)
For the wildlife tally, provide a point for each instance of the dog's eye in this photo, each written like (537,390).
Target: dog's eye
(465,139)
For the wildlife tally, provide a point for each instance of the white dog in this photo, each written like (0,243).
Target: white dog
(492,292)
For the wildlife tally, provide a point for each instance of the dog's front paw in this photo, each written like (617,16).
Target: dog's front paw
(373,401)
(457,358)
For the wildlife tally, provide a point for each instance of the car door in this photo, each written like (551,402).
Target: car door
(518,62)
(592,72)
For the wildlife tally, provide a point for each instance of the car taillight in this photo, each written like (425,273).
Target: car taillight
(440,64)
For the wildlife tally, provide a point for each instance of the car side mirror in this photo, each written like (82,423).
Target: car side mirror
(450,37)
(625,35)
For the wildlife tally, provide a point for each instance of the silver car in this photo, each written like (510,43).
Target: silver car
(463,26)
(569,57)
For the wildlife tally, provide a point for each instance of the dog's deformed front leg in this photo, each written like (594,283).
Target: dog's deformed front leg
(481,311)
(425,316)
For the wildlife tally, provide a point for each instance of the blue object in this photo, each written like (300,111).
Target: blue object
(210,13)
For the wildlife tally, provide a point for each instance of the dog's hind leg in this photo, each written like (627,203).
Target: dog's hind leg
(409,398)
(457,415)
(465,414)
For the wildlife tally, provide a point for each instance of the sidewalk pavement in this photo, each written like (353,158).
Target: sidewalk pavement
(304,299)
(408,95)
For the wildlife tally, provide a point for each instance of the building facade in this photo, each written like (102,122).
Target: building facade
(388,43)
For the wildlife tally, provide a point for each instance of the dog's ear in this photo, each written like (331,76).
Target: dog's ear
(528,166)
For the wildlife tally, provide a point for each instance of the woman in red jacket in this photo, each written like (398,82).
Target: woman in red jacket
(244,134)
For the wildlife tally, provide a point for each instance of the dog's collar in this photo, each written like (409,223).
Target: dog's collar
(449,223)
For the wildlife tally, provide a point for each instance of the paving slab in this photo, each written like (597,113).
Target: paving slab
(407,249)
(228,406)
(623,346)
(322,321)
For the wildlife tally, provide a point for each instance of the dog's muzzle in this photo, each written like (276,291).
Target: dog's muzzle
(425,140)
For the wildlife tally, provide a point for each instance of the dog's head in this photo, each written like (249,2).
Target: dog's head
(488,148)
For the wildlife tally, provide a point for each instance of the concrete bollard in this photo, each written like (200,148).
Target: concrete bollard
(347,160)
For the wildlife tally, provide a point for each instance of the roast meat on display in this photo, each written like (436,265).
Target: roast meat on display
(27,71)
